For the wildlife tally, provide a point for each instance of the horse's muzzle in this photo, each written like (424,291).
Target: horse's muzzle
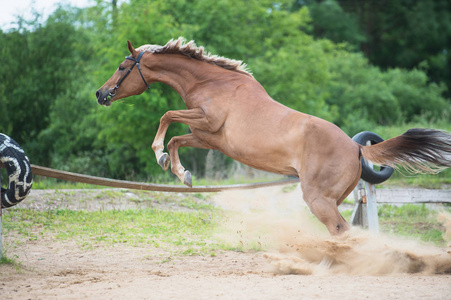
(104,97)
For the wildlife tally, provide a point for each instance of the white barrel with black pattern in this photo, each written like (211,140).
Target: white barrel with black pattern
(18,168)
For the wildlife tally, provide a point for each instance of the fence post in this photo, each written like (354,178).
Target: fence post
(365,209)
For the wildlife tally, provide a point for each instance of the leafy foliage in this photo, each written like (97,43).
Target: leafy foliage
(404,33)
(51,70)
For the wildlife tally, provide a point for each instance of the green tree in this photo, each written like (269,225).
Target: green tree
(366,96)
(392,34)
(332,22)
(40,61)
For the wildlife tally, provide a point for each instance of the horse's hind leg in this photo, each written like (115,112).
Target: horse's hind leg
(326,210)
(325,188)
(192,117)
(189,140)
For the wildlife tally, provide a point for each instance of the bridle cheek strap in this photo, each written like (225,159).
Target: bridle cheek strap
(136,60)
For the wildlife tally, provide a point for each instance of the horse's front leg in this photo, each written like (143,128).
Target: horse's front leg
(189,140)
(192,117)
(158,144)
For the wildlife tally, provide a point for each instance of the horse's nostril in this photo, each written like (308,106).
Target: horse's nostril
(98,94)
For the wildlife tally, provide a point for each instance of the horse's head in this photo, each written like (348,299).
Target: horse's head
(128,80)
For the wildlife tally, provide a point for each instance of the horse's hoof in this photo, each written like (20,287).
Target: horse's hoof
(164,161)
(187,179)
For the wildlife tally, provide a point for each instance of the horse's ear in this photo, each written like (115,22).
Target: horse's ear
(131,49)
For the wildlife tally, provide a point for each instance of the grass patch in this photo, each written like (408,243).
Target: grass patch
(189,231)
(7,261)
(412,220)
(409,220)
(289,188)
(427,181)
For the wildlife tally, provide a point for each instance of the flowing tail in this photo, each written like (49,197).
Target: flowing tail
(417,151)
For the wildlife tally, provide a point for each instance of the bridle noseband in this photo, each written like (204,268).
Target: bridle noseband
(136,60)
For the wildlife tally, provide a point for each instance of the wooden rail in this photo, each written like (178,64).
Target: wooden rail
(43,171)
(413,196)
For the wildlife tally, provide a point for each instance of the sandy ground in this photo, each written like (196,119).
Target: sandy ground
(299,264)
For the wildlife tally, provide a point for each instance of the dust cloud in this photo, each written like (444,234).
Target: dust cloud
(277,222)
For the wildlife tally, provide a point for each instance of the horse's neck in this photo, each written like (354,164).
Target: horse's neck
(183,73)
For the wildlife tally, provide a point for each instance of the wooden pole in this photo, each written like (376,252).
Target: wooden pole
(69,176)
(373,220)
(365,209)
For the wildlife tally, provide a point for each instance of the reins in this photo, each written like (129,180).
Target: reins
(136,60)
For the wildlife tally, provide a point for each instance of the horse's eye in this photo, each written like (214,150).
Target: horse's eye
(121,68)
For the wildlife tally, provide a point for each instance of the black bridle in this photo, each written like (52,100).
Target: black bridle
(136,60)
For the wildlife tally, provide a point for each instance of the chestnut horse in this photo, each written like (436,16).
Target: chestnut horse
(228,110)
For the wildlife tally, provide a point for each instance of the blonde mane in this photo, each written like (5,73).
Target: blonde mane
(180,46)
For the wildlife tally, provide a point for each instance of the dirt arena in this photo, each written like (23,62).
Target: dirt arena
(301,262)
